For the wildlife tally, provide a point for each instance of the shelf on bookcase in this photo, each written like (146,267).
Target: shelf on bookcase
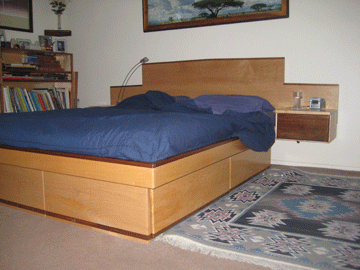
(32,80)
(51,70)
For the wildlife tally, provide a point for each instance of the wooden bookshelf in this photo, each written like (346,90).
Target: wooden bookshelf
(33,69)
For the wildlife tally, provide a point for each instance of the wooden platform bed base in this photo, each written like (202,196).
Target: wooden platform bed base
(141,200)
(134,199)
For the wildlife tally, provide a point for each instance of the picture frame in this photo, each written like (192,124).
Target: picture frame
(46,43)
(16,15)
(60,45)
(178,15)
(5,44)
(23,43)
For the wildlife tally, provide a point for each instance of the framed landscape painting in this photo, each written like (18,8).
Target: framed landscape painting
(16,15)
(170,14)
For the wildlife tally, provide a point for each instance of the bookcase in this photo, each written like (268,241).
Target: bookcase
(26,72)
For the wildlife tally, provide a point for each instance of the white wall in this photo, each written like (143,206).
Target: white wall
(320,42)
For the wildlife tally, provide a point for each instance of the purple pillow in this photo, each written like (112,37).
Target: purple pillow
(238,103)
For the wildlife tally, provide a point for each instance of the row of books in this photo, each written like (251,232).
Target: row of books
(18,99)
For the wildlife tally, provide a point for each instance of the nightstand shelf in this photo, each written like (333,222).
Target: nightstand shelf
(306,125)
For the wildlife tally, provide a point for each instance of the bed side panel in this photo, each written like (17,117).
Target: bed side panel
(110,204)
(106,171)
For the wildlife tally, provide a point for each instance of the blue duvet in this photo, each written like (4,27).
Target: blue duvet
(148,127)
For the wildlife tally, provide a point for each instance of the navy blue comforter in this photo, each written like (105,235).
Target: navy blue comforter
(148,127)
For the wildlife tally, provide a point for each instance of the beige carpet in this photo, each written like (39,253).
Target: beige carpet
(32,242)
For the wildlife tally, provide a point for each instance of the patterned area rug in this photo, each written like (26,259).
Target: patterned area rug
(283,219)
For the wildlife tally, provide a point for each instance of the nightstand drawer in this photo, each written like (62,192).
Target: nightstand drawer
(303,127)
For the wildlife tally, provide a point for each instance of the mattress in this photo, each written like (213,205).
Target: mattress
(148,128)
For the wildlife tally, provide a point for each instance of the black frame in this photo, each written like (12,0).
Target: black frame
(30,15)
(247,17)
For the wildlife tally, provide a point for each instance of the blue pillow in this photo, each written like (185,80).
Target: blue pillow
(238,103)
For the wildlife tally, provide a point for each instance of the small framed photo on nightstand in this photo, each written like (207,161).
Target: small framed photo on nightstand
(60,45)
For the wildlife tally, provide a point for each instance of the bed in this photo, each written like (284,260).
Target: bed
(140,199)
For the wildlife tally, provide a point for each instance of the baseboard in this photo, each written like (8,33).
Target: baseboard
(315,165)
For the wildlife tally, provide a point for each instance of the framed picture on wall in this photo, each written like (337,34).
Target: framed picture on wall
(165,15)
(16,15)
(60,45)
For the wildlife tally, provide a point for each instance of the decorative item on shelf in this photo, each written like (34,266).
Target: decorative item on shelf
(58,8)
(23,43)
(4,43)
(317,104)
(46,43)
(36,46)
(13,43)
(60,45)
(128,76)
(298,97)
(2,35)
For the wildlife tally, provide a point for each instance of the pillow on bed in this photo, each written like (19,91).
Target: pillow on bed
(238,103)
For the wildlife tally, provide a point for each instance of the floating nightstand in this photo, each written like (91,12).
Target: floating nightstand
(306,124)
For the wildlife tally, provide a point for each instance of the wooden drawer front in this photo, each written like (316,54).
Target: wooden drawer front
(303,127)
(247,164)
(21,185)
(183,196)
(110,204)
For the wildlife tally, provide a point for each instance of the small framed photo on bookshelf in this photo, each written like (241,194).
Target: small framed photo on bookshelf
(45,43)
(60,45)
(23,43)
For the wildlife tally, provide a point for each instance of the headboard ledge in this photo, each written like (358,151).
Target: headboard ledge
(249,76)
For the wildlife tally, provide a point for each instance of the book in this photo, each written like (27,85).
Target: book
(20,98)
(35,100)
(65,96)
(7,99)
(19,65)
(50,101)
(46,97)
(41,101)
(55,99)
(15,100)
(29,101)
(28,106)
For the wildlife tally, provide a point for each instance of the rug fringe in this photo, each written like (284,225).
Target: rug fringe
(186,244)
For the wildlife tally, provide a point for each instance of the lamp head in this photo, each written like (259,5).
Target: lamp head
(144,60)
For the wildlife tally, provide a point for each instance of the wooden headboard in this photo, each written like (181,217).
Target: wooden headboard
(263,77)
